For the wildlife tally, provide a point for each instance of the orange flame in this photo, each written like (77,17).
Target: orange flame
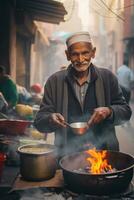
(98,162)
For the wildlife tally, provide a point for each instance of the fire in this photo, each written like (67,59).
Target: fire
(98,162)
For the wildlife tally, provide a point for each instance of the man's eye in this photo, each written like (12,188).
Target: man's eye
(74,54)
(85,53)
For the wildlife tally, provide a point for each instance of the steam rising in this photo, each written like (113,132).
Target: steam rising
(41,194)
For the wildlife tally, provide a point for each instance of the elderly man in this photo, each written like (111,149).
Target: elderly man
(82,92)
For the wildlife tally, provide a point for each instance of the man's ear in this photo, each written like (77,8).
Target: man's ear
(93,52)
(67,55)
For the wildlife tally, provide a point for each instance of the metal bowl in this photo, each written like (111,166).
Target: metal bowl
(79,128)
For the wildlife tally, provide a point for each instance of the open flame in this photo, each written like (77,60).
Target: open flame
(98,162)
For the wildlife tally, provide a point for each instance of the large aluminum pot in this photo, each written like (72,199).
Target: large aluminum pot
(37,161)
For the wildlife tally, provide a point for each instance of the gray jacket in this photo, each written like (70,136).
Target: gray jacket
(108,93)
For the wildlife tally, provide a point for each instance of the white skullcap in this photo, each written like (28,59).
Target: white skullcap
(78,37)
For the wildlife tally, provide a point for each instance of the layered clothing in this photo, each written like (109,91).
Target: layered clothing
(60,97)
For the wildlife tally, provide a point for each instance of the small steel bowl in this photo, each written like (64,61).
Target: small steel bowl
(79,128)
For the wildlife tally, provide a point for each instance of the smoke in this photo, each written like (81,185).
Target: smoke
(41,194)
(32,194)
(101,139)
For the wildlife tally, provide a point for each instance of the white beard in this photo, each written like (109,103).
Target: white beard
(83,67)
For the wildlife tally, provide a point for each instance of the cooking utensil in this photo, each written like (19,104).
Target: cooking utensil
(106,183)
(37,166)
(79,128)
(13,127)
(25,141)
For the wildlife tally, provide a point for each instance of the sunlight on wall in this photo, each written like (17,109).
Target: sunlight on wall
(83,13)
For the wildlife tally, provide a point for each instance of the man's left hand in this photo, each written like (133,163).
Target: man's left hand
(99,115)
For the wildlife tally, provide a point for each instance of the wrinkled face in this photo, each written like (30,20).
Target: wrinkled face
(80,55)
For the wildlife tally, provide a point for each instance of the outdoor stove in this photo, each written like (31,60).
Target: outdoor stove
(64,194)
(55,189)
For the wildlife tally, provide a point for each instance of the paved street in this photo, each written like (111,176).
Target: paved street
(125,135)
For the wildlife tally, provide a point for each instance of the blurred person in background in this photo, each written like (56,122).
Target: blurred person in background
(126,80)
(82,92)
(8,88)
(24,97)
(36,94)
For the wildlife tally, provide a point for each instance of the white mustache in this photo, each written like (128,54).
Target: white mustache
(83,63)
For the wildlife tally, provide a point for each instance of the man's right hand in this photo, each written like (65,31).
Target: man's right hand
(57,119)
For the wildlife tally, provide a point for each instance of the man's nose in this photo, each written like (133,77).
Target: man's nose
(81,58)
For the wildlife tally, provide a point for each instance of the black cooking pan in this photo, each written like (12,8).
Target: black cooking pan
(107,183)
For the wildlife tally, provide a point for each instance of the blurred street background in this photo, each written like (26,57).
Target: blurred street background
(125,135)
(33,34)
(32,47)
